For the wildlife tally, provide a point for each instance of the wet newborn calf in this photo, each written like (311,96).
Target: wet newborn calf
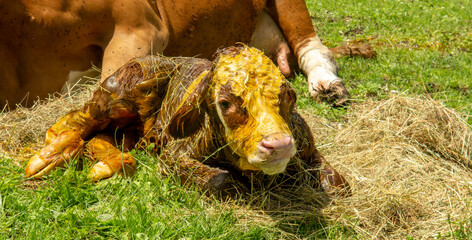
(237,111)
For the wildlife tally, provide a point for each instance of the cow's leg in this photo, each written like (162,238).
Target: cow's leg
(313,57)
(127,44)
(77,79)
(331,181)
(321,69)
(269,38)
(109,159)
(133,92)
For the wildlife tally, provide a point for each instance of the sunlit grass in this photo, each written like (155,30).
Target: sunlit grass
(423,47)
(68,206)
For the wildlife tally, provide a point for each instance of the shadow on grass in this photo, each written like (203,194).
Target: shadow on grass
(294,201)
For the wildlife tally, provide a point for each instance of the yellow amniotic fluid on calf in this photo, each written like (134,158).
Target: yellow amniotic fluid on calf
(253,77)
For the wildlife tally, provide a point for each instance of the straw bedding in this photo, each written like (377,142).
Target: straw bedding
(22,131)
(407,159)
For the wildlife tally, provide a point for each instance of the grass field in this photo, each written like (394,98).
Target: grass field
(424,48)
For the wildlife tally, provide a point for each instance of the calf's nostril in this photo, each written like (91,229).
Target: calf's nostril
(265,147)
(269,145)
(276,143)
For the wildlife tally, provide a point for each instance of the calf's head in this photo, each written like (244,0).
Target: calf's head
(249,103)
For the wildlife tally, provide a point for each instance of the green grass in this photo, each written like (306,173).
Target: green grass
(68,206)
(433,24)
(424,47)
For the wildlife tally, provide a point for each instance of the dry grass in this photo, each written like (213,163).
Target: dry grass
(22,130)
(407,159)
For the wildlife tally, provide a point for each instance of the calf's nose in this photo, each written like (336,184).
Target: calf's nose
(274,143)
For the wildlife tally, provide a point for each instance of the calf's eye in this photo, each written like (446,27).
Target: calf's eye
(225,104)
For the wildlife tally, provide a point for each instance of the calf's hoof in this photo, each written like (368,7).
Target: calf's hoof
(68,145)
(205,177)
(336,94)
(216,181)
(333,183)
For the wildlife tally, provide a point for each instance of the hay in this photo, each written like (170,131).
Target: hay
(22,130)
(407,159)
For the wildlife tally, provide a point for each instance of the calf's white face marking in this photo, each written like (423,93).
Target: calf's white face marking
(246,90)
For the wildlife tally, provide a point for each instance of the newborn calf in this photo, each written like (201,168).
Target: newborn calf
(237,111)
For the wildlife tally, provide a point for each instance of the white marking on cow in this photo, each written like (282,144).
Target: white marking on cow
(318,64)
(267,35)
(76,79)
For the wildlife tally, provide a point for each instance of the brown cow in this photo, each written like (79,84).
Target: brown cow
(237,112)
(42,42)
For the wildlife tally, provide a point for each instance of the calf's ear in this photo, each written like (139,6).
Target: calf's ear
(190,114)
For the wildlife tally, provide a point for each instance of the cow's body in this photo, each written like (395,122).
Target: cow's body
(41,42)
(235,114)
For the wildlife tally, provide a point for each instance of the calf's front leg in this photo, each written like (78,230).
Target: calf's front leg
(192,171)
(66,146)
(204,176)
(110,160)
(131,92)
(64,141)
